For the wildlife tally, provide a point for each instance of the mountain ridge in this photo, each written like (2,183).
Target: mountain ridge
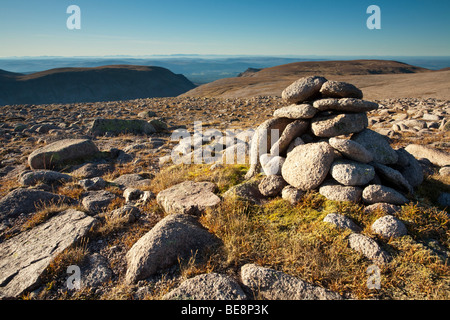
(377,78)
(105,83)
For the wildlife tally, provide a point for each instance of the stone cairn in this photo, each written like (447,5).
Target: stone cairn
(321,142)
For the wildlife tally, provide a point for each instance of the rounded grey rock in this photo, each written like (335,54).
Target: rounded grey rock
(378,193)
(303,89)
(307,165)
(339,89)
(352,173)
(389,226)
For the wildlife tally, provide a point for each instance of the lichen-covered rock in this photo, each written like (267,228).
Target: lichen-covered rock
(61,151)
(188,197)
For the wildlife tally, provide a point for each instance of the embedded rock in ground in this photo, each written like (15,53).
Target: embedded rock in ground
(188,197)
(271,186)
(270,284)
(25,201)
(93,184)
(377,193)
(307,165)
(60,152)
(119,126)
(345,105)
(292,130)
(303,89)
(384,207)
(352,173)
(127,213)
(377,145)
(342,222)
(131,180)
(210,286)
(368,247)
(291,194)
(25,256)
(246,191)
(95,271)
(31,178)
(436,156)
(389,226)
(351,150)
(337,192)
(339,89)
(97,201)
(296,111)
(263,140)
(341,124)
(177,236)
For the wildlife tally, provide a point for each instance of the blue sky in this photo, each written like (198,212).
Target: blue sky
(240,27)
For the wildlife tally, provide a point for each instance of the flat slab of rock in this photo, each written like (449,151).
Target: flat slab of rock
(175,236)
(368,247)
(24,257)
(345,105)
(296,111)
(292,130)
(118,126)
(25,201)
(275,285)
(307,165)
(303,89)
(210,286)
(375,193)
(436,157)
(337,192)
(339,89)
(61,151)
(342,222)
(97,201)
(377,145)
(31,178)
(188,197)
(341,124)
(394,177)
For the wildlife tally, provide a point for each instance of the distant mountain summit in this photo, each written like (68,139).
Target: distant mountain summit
(364,73)
(106,83)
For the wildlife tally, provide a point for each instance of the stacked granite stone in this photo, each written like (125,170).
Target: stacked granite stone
(323,144)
